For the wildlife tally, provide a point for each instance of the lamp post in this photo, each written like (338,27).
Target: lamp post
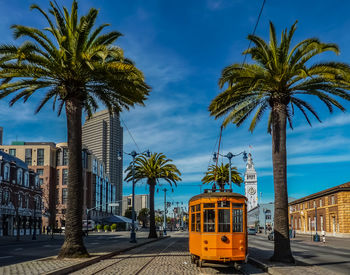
(133,154)
(165,207)
(229,155)
(34,232)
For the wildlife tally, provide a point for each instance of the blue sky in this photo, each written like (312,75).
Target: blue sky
(182,46)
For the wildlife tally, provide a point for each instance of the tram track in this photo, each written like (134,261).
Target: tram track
(150,259)
(117,261)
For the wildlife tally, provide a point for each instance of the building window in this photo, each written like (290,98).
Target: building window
(6,199)
(320,202)
(301,206)
(41,181)
(26,179)
(57,177)
(332,200)
(65,156)
(129,201)
(7,172)
(64,195)
(28,156)
(20,201)
(36,181)
(321,219)
(64,176)
(40,157)
(40,172)
(20,176)
(12,152)
(314,204)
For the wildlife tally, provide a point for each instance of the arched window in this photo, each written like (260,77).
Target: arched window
(19,176)
(7,172)
(26,179)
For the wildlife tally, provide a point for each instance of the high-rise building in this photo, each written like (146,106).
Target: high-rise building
(103,136)
(251,184)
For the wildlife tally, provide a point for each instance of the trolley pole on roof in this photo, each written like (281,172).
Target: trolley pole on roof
(164,223)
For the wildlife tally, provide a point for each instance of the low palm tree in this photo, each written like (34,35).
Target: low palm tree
(279,81)
(75,66)
(154,168)
(220,175)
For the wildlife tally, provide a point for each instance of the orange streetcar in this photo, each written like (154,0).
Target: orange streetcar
(218,228)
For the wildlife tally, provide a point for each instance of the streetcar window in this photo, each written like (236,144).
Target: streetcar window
(198,207)
(198,222)
(237,220)
(193,208)
(223,204)
(193,222)
(209,205)
(237,205)
(209,220)
(224,220)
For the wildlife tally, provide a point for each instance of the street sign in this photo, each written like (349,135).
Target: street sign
(113,204)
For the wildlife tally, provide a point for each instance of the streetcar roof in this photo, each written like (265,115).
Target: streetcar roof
(217,195)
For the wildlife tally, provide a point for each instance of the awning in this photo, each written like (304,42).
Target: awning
(117,219)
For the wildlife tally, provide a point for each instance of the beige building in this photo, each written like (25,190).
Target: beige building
(328,210)
(141,201)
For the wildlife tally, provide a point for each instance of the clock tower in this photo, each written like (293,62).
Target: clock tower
(251,184)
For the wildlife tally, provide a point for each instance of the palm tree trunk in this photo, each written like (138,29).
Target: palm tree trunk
(73,246)
(152,226)
(282,250)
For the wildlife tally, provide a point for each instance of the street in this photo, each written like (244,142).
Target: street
(13,252)
(334,255)
(168,256)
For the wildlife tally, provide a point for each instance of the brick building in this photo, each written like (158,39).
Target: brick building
(20,198)
(328,210)
(50,162)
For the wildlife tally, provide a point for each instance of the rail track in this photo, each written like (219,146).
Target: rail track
(138,260)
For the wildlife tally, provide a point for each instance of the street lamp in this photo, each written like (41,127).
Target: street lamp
(133,154)
(229,155)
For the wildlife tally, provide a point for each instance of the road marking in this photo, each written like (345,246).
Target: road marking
(18,249)
(5,257)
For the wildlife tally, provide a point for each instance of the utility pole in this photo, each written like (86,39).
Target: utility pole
(164,224)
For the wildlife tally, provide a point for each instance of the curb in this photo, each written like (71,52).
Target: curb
(258,264)
(79,266)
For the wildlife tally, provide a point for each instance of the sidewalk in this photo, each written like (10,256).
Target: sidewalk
(260,258)
(54,266)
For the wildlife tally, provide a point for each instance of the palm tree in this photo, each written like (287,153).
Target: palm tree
(154,168)
(220,175)
(280,81)
(78,68)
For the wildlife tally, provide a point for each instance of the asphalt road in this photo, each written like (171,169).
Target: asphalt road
(16,252)
(334,256)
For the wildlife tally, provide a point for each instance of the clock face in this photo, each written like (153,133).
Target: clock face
(251,191)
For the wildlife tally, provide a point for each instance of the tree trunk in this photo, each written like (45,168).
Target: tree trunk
(152,226)
(73,246)
(282,251)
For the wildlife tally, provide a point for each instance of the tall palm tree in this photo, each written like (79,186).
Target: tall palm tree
(279,80)
(154,168)
(220,175)
(71,63)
